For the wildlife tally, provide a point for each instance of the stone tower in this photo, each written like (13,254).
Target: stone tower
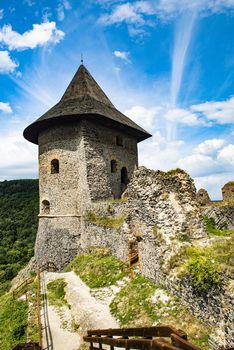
(87,153)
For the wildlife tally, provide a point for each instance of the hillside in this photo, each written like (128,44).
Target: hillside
(18,226)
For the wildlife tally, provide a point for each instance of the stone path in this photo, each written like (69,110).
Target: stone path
(86,311)
(55,321)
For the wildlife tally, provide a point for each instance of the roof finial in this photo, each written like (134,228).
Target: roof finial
(82,59)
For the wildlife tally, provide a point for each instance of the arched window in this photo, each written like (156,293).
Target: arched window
(124,176)
(113,166)
(45,207)
(119,141)
(54,166)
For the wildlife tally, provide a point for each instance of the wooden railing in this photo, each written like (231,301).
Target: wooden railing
(23,288)
(28,346)
(145,338)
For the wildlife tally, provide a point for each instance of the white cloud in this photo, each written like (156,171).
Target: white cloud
(62,6)
(123,55)
(18,157)
(199,164)
(5,107)
(208,147)
(41,34)
(160,153)
(7,65)
(226,154)
(29,2)
(182,116)
(144,116)
(135,12)
(1,13)
(219,111)
(129,13)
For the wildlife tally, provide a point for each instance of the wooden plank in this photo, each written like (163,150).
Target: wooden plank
(142,344)
(182,343)
(157,331)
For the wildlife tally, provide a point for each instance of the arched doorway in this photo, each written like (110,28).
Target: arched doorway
(45,207)
(124,179)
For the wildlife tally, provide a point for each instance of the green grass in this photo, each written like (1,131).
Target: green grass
(13,321)
(105,221)
(174,172)
(134,306)
(213,231)
(133,303)
(56,292)
(33,328)
(98,269)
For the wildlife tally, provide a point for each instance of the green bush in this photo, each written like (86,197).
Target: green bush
(205,272)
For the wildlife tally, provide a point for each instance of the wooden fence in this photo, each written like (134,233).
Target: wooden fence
(23,288)
(28,346)
(146,338)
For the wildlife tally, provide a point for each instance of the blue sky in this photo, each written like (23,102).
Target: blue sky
(167,64)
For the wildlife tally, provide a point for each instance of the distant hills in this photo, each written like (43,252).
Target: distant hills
(18,226)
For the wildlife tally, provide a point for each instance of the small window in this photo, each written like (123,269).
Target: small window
(54,166)
(119,141)
(113,166)
(45,207)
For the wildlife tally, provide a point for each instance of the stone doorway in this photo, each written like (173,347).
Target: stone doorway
(133,253)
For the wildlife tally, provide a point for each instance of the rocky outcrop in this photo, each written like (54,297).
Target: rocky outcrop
(223,216)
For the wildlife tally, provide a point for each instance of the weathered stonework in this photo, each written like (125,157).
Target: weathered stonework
(222,215)
(203,197)
(228,192)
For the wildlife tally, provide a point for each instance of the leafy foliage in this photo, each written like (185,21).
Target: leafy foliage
(13,321)
(213,231)
(98,268)
(18,226)
(205,271)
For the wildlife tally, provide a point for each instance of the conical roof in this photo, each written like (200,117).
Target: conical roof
(84,98)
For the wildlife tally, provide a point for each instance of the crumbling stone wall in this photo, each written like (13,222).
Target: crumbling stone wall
(203,197)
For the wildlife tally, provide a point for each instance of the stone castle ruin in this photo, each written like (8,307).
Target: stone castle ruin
(227,192)
(221,211)
(92,193)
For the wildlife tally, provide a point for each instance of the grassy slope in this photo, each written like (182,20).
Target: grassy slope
(18,226)
(56,292)
(13,322)
(98,269)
